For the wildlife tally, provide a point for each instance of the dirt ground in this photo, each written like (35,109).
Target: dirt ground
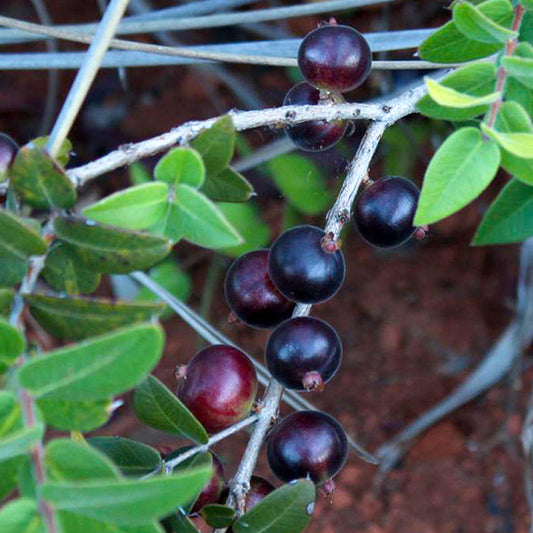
(414,321)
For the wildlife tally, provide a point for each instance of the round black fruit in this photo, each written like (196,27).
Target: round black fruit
(335,58)
(307,443)
(315,135)
(303,353)
(301,269)
(385,211)
(251,295)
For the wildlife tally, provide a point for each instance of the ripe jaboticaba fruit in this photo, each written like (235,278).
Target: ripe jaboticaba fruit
(251,295)
(307,443)
(8,151)
(303,353)
(385,211)
(218,386)
(301,269)
(315,135)
(335,58)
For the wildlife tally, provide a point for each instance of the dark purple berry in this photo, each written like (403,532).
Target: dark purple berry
(219,386)
(315,135)
(303,353)
(8,151)
(251,294)
(335,58)
(301,269)
(307,443)
(385,211)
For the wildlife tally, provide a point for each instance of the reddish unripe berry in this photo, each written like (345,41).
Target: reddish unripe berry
(251,295)
(385,211)
(8,151)
(315,135)
(307,444)
(303,353)
(219,387)
(301,269)
(335,58)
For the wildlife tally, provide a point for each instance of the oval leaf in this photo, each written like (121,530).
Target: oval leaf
(77,318)
(228,186)
(63,154)
(6,300)
(459,172)
(448,97)
(73,523)
(21,516)
(288,508)
(108,249)
(181,165)
(137,207)
(20,442)
(217,515)
(179,522)
(519,144)
(157,407)
(40,181)
(17,239)
(520,68)
(97,368)
(528,4)
(12,344)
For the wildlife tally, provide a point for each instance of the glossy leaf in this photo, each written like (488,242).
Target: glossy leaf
(216,145)
(448,97)
(459,172)
(111,250)
(217,515)
(301,182)
(6,300)
(63,154)
(228,186)
(449,45)
(68,415)
(134,502)
(137,207)
(474,24)
(509,218)
(181,165)
(40,181)
(519,144)
(64,272)
(97,368)
(159,408)
(288,508)
(77,318)
(17,239)
(178,522)
(20,442)
(21,516)
(74,523)
(12,344)
(132,458)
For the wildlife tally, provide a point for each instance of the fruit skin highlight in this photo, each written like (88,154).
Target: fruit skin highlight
(219,386)
(251,295)
(335,57)
(307,443)
(385,211)
(303,353)
(314,135)
(301,269)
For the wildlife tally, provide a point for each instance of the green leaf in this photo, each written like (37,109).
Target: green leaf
(40,181)
(12,269)
(134,502)
(10,422)
(20,442)
(137,207)
(217,515)
(519,144)
(449,45)
(21,516)
(301,182)
(517,92)
(512,117)
(460,170)
(181,165)
(97,368)
(168,226)
(474,24)
(201,222)
(12,344)
(73,523)
(228,186)
(509,218)
(77,318)
(110,250)
(64,272)
(133,458)
(9,475)
(520,68)
(476,80)
(139,174)
(157,407)
(448,97)
(177,522)
(67,415)
(63,155)
(216,145)
(17,239)
(288,508)
(245,218)
(528,4)
(6,300)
